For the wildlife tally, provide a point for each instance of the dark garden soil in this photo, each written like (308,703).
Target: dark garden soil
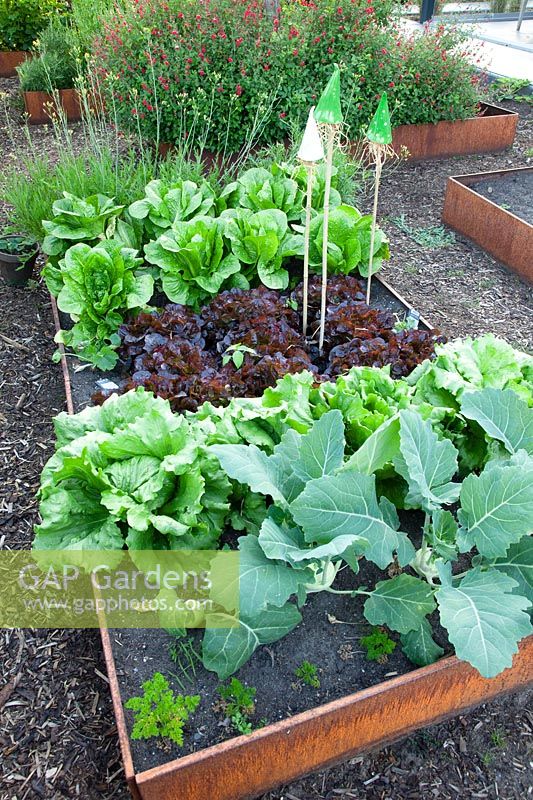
(512,192)
(57,737)
(328,637)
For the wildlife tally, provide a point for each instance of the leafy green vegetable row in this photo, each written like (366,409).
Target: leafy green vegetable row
(314,475)
(197,242)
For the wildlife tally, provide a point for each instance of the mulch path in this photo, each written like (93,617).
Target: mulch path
(57,733)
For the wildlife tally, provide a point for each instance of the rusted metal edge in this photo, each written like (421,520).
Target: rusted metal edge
(104,632)
(401,299)
(64,365)
(501,233)
(118,708)
(484,133)
(247,766)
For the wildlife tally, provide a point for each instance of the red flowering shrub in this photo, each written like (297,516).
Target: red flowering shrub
(221,73)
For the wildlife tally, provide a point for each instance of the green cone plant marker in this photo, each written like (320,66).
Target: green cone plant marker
(379,137)
(379,130)
(328,113)
(328,110)
(311,151)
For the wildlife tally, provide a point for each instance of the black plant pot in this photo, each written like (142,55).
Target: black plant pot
(17,268)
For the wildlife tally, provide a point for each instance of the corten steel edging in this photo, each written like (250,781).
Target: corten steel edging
(501,233)
(247,766)
(485,133)
(118,709)
(401,299)
(10,60)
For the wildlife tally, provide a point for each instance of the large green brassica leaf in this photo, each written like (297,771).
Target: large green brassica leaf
(483,619)
(346,504)
(518,565)
(497,506)
(426,463)
(226,649)
(419,645)
(503,415)
(401,603)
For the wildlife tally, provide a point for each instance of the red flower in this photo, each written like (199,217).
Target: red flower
(238,90)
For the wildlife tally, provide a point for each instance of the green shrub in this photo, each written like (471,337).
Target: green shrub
(55,65)
(21,21)
(227,73)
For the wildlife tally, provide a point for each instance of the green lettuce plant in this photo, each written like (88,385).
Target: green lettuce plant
(99,285)
(262,242)
(348,242)
(462,366)
(88,220)
(130,473)
(258,189)
(164,204)
(326,512)
(192,259)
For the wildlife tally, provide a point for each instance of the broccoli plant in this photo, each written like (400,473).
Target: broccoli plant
(159,712)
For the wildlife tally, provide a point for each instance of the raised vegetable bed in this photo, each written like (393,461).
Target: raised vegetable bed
(247,766)
(494,210)
(41,107)
(387,706)
(493,129)
(10,60)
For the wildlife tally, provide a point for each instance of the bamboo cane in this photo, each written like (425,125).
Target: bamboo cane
(325,230)
(310,167)
(374,223)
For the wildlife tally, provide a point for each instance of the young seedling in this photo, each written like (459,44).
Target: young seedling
(378,645)
(159,712)
(238,704)
(183,654)
(236,353)
(308,674)
(406,324)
